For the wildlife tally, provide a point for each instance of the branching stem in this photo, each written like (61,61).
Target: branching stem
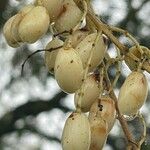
(37,51)
(78,109)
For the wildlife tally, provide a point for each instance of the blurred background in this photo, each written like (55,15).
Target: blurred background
(33,109)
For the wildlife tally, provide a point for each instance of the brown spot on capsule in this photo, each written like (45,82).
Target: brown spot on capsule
(71,61)
(100,107)
(52,70)
(93,45)
(84,30)
(94,146)
(101,130)
(143,81)
(82,94)
(71,115)
(64,8)
(95,75)
(58,66)
(79,94)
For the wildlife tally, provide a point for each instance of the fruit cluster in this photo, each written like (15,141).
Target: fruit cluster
(77,56)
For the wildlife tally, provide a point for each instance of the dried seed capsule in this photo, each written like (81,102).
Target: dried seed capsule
(68,70)
(85,46)
(91,92)
(26,9)
(8,34)
(14,27)
(54,7)
(69,17)
(77,37)
(34,24)
(76,134)
(50,57)
(104,108)
(133,65)
(133,93)
(18,19)
(98,133)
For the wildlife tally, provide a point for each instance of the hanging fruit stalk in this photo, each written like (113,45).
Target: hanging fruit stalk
(81,53)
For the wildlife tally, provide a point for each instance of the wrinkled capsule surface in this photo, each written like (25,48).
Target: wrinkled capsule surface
(104,108)
(8,34)
(133,93)
(76,133)
(129,61)
(77,37)
(34,25)
(68,70)
(14,27)
(69,16)
(26,9)
(54,7)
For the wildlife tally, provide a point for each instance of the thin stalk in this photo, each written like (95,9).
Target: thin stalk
(78,109)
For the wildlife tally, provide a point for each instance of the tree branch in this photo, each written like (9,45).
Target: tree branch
(34,130)
(7,122)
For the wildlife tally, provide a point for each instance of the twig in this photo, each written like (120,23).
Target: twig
(105,28)
(143,136)
(108,31)
(78,109)
(41,50)
(121,119)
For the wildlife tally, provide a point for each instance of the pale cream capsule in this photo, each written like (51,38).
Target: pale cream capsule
(98,133)
(54,7)
(50,57)
(76,133)
(85,46)
(133,93)
(129,61)
(69,17)
(14,27)
(8,34)
(90,93)
(34,24)
(77,37)
(68,70)
(26,9)
(18,19)
(105,108)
